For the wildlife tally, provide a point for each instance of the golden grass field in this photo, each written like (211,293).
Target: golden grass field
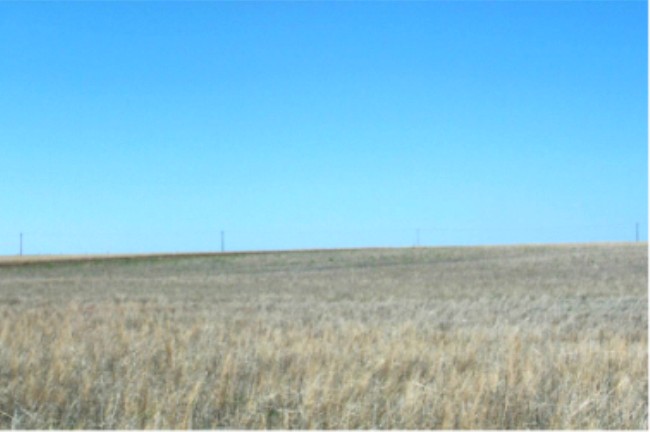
(539,337)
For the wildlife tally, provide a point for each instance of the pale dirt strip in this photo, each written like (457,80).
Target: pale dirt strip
(16,260)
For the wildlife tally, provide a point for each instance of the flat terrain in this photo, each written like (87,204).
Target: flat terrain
(542,337)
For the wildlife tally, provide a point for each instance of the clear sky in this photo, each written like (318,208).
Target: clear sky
(153,126)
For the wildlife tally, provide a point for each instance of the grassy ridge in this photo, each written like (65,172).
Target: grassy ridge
(481,338)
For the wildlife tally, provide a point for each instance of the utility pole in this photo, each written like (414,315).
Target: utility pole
(222,241)
(21,244)
(417,237)
(637,232)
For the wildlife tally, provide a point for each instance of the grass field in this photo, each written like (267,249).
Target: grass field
(542,337)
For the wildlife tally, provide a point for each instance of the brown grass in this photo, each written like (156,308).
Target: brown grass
(542,337)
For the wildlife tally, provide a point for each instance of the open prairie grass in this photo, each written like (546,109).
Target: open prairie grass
(543,337)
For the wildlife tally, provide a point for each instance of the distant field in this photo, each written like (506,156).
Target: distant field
(539,337)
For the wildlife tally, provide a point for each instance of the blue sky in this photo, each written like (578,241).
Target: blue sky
(153,126)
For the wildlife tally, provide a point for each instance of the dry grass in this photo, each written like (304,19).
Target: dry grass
(543,337)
